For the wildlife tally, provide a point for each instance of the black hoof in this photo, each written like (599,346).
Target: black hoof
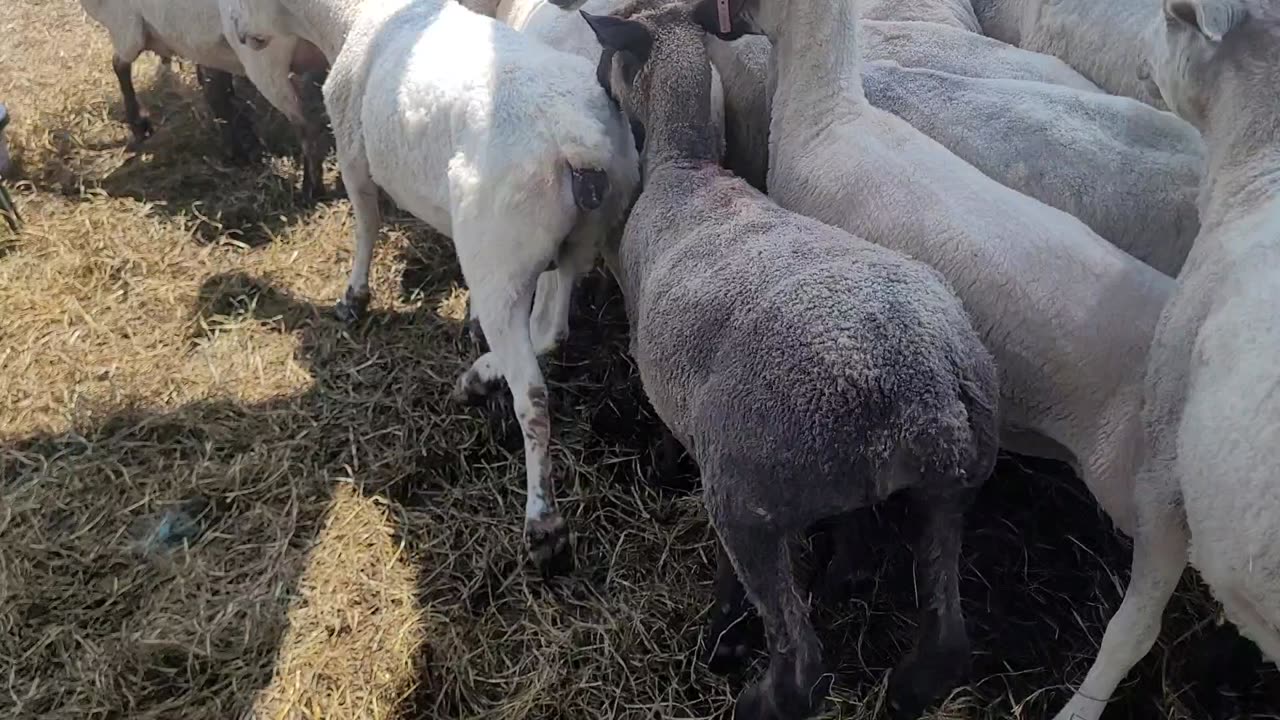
(730,641)
(312,187)
(477,334)
(471,391)
(548,545)
(244,150)
(918,683)
(141,129)
(353,307)
(752,705)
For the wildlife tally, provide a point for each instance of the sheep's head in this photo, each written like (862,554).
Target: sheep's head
(1194,43)
(654,63)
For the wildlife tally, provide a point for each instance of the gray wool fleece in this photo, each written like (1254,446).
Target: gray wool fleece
(786,354)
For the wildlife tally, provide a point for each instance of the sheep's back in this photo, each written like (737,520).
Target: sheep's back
(1130,172)
(448,96)
(785,338)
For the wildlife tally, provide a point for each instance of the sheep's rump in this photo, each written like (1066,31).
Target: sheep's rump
(475,99)
(810,351)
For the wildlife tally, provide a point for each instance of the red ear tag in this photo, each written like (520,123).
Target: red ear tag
(722,9)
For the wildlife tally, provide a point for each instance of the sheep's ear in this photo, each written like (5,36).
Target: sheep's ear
(1211,18)
(620,35)
(721,18)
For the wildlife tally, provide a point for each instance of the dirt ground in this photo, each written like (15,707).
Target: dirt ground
(217,502)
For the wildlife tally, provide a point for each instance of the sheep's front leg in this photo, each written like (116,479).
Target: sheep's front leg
(1159,556)
(504,311)
(135,116)
(362,191)
(940,658)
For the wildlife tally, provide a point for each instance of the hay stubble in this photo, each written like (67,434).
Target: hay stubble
(217,502)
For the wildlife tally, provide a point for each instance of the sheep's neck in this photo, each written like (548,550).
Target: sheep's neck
(679,130)
(325,22)
(678,143)
(1243,165)
(817,56)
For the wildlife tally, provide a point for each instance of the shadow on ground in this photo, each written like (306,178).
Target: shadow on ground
(182,171)
(157,556)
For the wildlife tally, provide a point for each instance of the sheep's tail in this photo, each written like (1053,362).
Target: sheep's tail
(589,187)
(587,146)
(964,443)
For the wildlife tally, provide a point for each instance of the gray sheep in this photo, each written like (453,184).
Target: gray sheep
(807,371)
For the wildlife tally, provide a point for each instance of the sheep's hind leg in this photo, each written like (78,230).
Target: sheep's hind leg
(238,139)
(794,685)
(549,322)
(940,659)
(362,191)
(134,114)
(1159,556)
(733,630)
(503,307)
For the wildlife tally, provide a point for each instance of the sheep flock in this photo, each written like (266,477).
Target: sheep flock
(848,358)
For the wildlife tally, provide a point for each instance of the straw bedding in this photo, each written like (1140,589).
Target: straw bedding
(217,502)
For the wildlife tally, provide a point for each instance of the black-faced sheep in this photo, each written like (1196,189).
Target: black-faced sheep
(807,371)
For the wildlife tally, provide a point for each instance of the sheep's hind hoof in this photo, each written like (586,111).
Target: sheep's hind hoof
(142,129)
(478,382)
(470,390)
(352,308)
(752,704)
(548,545)
(919,682)
(730,649)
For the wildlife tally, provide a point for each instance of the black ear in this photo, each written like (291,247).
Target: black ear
(637,134)
(710,14)
(603,68)
(620,35)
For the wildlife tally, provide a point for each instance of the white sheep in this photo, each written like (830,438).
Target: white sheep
(193,29)
(568,32)
(1100,38)
(1130,172)
(1067,315)
(809,372)
(743,67)
(509,147)
(955,14)
(1212,410)
(947,49)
